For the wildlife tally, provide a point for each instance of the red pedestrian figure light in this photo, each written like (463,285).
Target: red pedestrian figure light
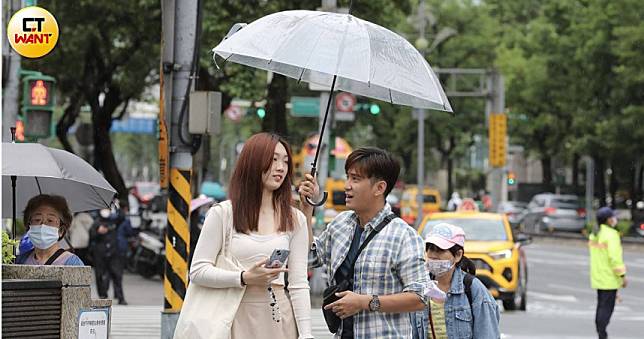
(39,94)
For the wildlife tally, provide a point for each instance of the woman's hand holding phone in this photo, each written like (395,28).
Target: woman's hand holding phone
(260,275)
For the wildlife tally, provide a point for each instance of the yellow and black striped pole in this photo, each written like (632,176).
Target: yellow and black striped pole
(177,240)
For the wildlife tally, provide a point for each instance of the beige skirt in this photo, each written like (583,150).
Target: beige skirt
(254,317)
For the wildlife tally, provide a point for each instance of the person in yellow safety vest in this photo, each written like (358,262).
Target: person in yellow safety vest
(607,269)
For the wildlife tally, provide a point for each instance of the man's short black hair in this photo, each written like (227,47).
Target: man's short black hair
(374,163)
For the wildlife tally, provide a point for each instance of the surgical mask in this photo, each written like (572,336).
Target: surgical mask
(438,267)
(43,236)
(105,213)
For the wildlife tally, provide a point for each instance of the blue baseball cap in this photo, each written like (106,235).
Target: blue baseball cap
(605,213)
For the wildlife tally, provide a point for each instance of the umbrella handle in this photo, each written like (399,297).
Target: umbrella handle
(319,203)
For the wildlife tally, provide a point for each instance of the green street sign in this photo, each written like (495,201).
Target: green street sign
(305,107)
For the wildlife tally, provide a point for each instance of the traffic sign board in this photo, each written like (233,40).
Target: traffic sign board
(305,107)
(344,102)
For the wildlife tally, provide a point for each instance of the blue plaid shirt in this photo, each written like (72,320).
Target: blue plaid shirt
(393,262)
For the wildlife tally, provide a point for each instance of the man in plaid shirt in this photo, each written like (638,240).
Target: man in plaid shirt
(389,275)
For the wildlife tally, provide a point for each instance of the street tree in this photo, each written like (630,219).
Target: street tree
(107,55)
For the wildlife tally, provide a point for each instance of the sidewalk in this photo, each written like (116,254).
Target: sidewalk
(130,322)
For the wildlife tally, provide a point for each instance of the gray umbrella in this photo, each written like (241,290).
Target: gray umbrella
(38,169)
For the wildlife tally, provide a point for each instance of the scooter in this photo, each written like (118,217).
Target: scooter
(149,256)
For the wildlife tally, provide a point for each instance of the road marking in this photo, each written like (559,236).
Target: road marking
(637,263)
(638,279)
(572,289)
(591,291)
(557,262)
(553,297)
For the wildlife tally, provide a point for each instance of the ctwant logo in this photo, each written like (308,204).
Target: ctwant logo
(33,32)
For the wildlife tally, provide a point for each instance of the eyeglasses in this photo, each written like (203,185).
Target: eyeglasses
(45,220)
(275,308)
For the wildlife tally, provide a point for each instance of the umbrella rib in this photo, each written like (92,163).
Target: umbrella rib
(214,58)
(281,43)
(317,41)
(366,28)
(300,78)
(38,184)
(105,202)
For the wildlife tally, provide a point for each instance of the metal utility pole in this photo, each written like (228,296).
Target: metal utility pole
(420,176)
(590,186)
(495,104)
(10,84)
(420,112)
(179,27)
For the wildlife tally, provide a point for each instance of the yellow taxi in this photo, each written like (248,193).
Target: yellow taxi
(497,253)
(336,199)
(409,203)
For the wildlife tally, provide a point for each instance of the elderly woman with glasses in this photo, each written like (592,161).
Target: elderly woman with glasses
(48,219)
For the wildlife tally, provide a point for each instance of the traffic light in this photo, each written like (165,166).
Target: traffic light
(20,131)
(261,112)
(363,107)
(497,139)
(38,103)
(512,178)
(374,109)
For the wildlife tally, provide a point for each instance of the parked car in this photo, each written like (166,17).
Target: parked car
(514,210)
(497,253)
(637,216)
(554,212)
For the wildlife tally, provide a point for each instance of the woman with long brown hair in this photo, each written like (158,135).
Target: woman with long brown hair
(262,220)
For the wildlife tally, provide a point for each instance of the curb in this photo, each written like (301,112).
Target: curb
(579,236)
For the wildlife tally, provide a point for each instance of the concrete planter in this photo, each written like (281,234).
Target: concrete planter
(75,290)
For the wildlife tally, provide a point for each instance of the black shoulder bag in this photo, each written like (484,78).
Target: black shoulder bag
(332,320)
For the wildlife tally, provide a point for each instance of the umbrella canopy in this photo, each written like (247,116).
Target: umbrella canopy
(43,170)
(315,46)
(200,201)
(338,51)
(214,190)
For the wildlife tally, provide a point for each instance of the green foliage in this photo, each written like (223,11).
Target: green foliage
(573,69)
(8,245)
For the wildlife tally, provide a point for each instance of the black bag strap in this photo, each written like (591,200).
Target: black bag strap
(371,235)
(54,256)
(467,283)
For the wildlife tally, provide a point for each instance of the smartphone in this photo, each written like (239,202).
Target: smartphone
(277,258)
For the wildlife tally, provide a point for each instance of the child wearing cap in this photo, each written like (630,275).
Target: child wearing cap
(457,316)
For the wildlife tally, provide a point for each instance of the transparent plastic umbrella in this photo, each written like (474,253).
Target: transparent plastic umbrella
(338,51)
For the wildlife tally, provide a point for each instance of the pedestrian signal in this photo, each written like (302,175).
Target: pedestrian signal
(38,101)
(20,131)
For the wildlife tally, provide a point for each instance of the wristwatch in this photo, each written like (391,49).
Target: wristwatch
(374,304)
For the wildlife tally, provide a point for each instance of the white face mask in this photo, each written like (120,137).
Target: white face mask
(43,236)
(105,213)
(438,267)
